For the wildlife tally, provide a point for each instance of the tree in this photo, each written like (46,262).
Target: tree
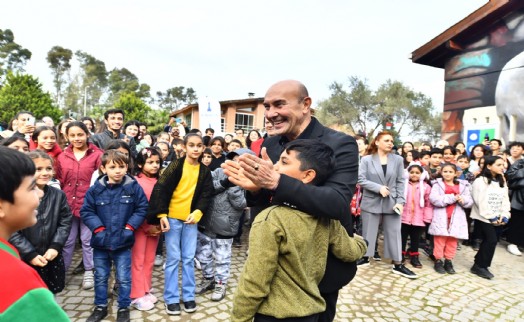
(123,81)
(24,93)
(173,98)
(433,128)
(93,78)
(59,61)
(13,57)
(134,107)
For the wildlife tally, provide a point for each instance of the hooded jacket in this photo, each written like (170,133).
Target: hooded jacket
(114,206)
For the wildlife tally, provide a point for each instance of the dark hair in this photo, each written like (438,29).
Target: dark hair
(117,144)
(12,139)
(195,131)
(145,154)
(16,166)
(515,143)
(496,140)
(218,138)
(237,141)
(209,130)
(472,155)
(206,139)
(78,124)
(93,124)
(314,155)
(463,156)
(415,166)
(485,172)
(170,155)
(415,154)
(451,148)
(361,137)
(239,129)
(41,129)
(454,167)
(435,151)
(207,151)
(177,141)
(372,147)
(39,154)
(189,135)
(135,123)
(23,112)
(407,142)
(424,153)
(114,111)
(114,156)
(248,140)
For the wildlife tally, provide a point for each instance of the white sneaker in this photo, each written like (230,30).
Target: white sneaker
(89,280)
(159,260)
(219,293)
(142,304)
(513,249)
(197,265)
(153,299)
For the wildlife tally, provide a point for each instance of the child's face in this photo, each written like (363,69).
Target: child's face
(115,171)
(44,172)
(289,165)
(478,153)
(22,212)
(463,163)
(497,167)
(194,147)
(448,173)
(425,160)
(164,137)
(362,146)
(77,137)
(448,156)
(206,159)
(233,146)
(46,140)
(179,147)
(435,159)
(164,150)
(216,147)
(414,174)
(151,166)
(460,148)
(409,156)
(19,145)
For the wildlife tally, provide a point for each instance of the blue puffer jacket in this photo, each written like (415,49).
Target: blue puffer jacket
(114,207)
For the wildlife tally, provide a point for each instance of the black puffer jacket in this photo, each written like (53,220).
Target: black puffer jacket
(51,229)
(515,177)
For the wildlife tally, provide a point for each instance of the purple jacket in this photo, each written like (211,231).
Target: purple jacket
(458,225)
(413,213)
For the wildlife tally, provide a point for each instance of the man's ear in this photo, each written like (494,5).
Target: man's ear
(2,213)
(308,176)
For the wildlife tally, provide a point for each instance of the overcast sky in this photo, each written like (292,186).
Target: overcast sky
(225,49)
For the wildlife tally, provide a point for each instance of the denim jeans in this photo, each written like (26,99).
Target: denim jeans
(103,260)
(181,240)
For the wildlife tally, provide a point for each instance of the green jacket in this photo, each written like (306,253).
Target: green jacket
(287,259)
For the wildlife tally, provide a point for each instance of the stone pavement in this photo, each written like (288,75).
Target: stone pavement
(376,294)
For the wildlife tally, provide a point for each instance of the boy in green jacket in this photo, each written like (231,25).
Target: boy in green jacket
(23,294)
(288,248)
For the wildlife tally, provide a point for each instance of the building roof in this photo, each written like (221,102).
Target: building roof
(437,51)
(244,101)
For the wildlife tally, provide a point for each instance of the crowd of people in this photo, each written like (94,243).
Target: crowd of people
(129,197)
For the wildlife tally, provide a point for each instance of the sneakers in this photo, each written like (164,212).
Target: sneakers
(439,267)
(364,261)
(377,257)
(142,303)
(205,285)
(122,315)
(404,271)
(415,262)
(514,250)
(159,260)
(475,244)
(237,243)
(219,293)
(448,266)
(197,265)
(89,280)
(153,299)
(99,313)
(173,309)
(482,272)
(190,306)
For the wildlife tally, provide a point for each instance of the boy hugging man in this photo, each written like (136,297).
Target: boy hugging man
(288,249)
(113,208)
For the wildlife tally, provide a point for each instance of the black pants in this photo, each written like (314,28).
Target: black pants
(486,251)
(331,307)
(266,318)
(53,274)
(414,233)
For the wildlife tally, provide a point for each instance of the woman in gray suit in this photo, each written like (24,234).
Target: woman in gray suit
(382,182)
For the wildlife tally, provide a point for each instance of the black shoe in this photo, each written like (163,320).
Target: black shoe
(448,266)
(404,271)
(122,315)
(173,309)
(79,269)
(377,257)
(475,244)
(364,261)
(482,272)
(466,242)
(99,313)
(237,243)
(415,262)
(439,267)
(190,306)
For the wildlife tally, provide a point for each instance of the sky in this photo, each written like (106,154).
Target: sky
(225,49)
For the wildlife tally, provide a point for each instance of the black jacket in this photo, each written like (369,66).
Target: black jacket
(102,139)
(330,200)
(51,229)
(515,178)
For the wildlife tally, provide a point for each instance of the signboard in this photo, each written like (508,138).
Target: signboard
(209,114)
(478,136)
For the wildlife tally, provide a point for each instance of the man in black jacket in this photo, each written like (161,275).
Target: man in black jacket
(114,120)
(288,108)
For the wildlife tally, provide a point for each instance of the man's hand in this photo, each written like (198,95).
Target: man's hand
(260,171)
(27,129)
(50,254)
(39,261)
(235,174)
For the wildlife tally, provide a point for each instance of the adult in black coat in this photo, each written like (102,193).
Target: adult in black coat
(288,107)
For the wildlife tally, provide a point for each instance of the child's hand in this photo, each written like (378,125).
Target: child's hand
(50,254)
(164,224)
(190,219)
(39,261)
(153,231)
(459,199)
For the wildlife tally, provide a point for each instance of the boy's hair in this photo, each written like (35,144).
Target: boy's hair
(415,154)
(516,143)
(424,153)
(114,156)
(176,141)
(496,140)
(23,112)
(186,138)
(39,154)
(313,155)
(113,111)
(435,151)
(194,131)
(209,130)
(207,151)
(462,156)
(237,141)
(15,167)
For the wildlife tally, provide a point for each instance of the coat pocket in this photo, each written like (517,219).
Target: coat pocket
(98,240)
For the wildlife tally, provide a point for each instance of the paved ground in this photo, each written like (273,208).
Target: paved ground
(375,294)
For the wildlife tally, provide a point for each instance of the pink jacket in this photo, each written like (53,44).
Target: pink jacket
(414,213)
(458,225)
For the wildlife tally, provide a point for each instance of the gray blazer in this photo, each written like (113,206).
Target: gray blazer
(371,178)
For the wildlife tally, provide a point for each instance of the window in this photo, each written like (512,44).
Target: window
(244,121)
(223,125)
